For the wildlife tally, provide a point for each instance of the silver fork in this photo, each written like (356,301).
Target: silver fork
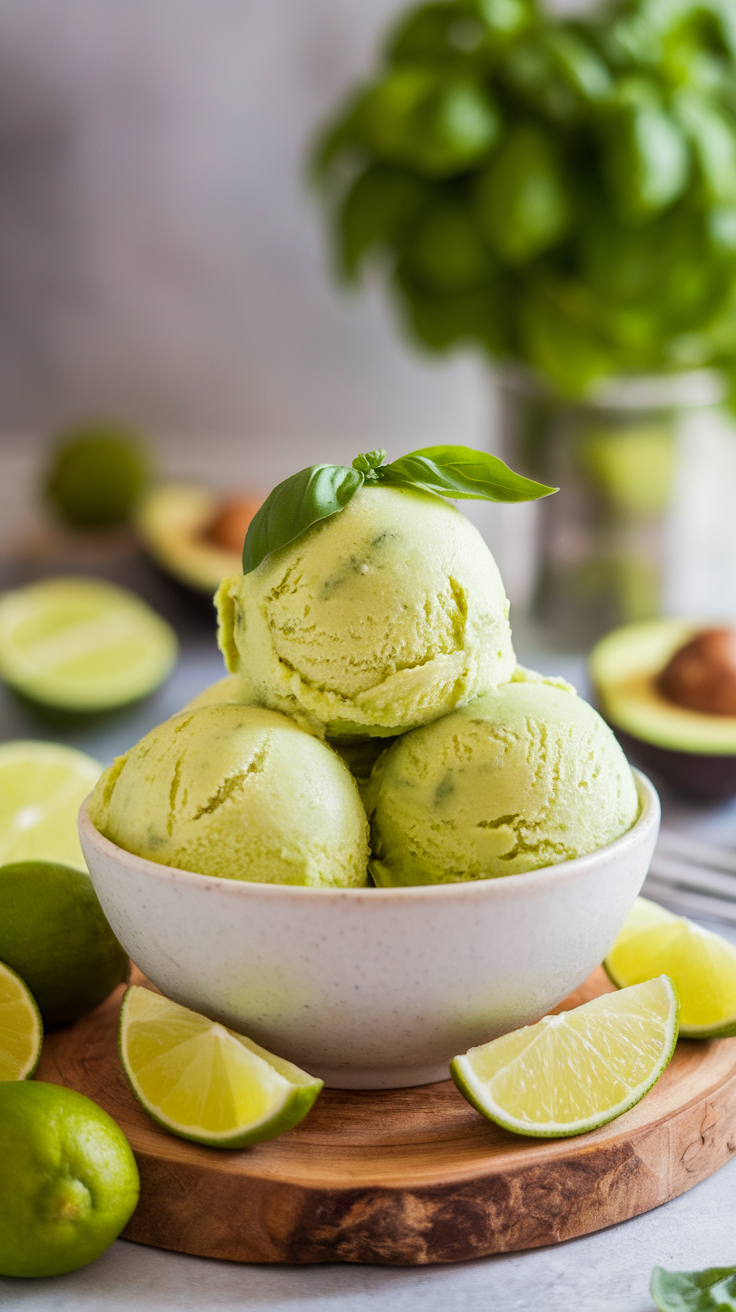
(693,878)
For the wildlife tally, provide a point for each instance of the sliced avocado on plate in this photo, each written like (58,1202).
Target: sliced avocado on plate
(693,750)
(194,534)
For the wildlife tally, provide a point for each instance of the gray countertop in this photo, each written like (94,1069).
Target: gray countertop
(604,1272)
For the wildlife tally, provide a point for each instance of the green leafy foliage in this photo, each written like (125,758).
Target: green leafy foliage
(555,190)
(713,1290)
(317,493)
(521,200)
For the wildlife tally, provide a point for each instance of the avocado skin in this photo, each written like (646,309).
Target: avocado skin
(705,778)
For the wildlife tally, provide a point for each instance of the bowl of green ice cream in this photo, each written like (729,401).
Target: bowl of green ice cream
(372,676)
(268,922)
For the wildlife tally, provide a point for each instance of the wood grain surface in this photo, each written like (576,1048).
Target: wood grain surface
(406,1176)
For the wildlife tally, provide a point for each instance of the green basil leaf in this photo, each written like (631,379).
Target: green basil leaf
(522,203)
(380,210)
(713,1290)
(295,505)
(461,473)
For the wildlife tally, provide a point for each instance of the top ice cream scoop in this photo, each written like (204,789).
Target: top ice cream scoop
(377,620)
(526,776)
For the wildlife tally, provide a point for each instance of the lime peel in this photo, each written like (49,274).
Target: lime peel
(576,1071)
(203,1081)
(21,1029)
(701,964)
(69,1182)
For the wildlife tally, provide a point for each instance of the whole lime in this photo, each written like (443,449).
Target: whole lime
(69,1181)
(96,475)
(54,934)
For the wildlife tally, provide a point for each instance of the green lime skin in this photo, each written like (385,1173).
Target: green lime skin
(69,1181)
(97,473)
(53,933)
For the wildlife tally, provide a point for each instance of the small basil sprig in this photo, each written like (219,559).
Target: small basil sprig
(713,1290)
(321,491)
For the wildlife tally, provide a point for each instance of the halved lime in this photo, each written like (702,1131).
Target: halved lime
(81,644)
(701,964)
(574,1072)
(205,1082)
(42,786)
(21,1031)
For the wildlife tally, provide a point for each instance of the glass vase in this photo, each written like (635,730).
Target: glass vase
(603,541)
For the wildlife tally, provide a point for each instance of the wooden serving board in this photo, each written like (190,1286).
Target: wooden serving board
(406,1176)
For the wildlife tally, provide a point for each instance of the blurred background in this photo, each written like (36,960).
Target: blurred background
(163,261)
(161,257)
(168,263)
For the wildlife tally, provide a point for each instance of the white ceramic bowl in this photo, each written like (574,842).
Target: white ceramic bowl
(373,988)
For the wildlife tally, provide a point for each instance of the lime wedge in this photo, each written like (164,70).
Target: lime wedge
(21,1032)
(82,644)
(42,786)
(702,966)
(205,1082)
(573,1072)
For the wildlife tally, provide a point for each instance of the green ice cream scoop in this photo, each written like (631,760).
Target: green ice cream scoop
(383,617)
(525,776)
(238,792)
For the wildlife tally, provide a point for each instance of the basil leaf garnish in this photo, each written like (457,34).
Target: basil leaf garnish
(713,1290)
(295,505)
(462,473)
(322,490)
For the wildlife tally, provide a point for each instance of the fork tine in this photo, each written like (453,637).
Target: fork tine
(689,903)
(686,875)
(670,843)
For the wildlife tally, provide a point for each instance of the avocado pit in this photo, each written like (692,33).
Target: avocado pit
(228,527)
(702,675)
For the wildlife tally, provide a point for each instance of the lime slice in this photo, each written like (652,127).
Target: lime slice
(42,786)
(573,1072)
(205,1082)
(82,644)
(702,966)
(21,1032)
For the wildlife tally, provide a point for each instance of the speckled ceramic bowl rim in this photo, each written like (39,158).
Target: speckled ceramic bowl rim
(531,879)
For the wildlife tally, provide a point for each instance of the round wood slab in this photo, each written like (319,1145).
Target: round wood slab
(406,1176)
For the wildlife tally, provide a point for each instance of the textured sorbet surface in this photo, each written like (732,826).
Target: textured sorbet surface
(524,777)
(239,792)
(386,616)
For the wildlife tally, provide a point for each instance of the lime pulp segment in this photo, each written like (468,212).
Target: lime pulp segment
(21,1032)
(203,1081)
(576,1071)
(701,964)
(81,644)
(42,786)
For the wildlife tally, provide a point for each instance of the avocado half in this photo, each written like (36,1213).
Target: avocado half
(693,751)
(172,523)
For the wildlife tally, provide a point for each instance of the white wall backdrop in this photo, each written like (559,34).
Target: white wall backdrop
(160,255)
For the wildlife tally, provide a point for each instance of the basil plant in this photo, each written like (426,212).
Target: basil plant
(559,192)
